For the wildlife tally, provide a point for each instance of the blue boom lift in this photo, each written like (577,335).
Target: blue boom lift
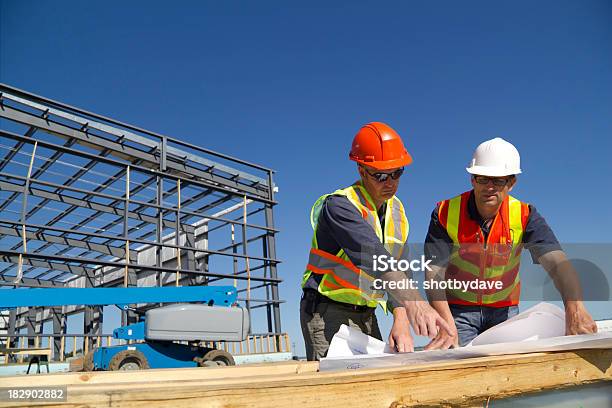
(213,318)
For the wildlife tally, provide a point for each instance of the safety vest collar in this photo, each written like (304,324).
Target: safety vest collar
(365,195)
(506,228)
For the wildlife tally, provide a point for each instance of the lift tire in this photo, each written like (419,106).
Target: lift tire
(128,360)
(216,358)
(88,364)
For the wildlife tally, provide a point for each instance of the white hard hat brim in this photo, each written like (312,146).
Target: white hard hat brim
(491,171)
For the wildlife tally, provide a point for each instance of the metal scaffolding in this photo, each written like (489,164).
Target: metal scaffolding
(87,201)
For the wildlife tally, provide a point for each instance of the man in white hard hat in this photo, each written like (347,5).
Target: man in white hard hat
(475,240)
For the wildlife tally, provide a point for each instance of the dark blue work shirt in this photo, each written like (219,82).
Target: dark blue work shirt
(537,236)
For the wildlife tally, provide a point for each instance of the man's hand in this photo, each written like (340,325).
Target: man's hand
(578,320)
(400,338)
(424,319)
(444,340)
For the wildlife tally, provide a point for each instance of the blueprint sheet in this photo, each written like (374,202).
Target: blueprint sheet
(538,329)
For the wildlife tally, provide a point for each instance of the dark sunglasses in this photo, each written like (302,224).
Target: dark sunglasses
(499,182)
(382,177)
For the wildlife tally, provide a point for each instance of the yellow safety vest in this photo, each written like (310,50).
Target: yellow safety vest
(341,280)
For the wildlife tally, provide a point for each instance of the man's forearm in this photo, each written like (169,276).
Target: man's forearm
(563,275)
(413,294)
(399,295)
(437,297)
(436,273)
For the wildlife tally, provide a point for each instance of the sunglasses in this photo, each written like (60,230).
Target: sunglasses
(382,177)
(499,182)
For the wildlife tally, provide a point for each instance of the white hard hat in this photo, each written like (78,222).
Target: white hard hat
(495,158)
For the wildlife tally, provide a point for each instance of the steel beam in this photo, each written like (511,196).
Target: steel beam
(54,265)
(124,151)
(76,202)
(14,231)
(32,283)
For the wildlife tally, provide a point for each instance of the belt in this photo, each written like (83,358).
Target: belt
(318,298)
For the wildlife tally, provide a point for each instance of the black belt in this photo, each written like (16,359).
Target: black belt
(316,298)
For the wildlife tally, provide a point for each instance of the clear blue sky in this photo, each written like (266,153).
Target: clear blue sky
(287,85)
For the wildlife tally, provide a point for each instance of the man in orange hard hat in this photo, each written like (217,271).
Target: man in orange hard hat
(477,237)
(351,227)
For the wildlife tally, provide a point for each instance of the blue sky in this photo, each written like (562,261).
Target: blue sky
(288,84)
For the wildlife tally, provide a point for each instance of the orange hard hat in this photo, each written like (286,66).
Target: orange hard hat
(377,145)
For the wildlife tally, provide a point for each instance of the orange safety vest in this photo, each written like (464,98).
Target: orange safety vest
(341,280)
(484,262)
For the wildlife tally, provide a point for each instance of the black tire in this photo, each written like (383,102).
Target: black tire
(218,357)
(88,364)
(128,360)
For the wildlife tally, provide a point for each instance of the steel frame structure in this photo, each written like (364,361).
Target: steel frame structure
(88,201)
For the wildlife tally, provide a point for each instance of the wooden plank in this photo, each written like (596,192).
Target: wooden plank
(34,351)
(456,383)
(116,377)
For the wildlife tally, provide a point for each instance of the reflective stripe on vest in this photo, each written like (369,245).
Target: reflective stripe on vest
(341,279)
(496,260)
